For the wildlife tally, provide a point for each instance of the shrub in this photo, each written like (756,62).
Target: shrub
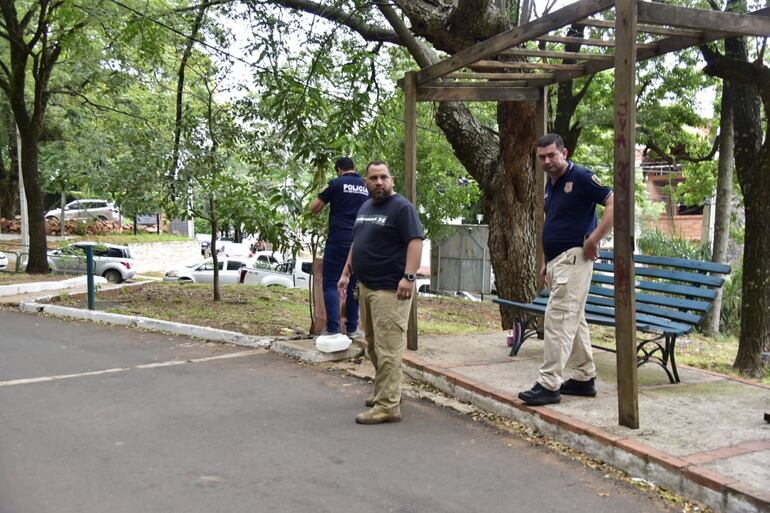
(658,243)
(731,302)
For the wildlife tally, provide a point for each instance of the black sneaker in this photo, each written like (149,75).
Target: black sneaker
(539,396)
(582,388)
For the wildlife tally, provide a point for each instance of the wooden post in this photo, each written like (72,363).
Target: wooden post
(541,128)
(625,154)
(410,177)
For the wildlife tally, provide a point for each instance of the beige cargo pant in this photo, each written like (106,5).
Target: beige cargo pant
(386,320)
(566,331)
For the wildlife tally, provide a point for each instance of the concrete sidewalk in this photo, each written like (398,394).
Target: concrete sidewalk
(705,438)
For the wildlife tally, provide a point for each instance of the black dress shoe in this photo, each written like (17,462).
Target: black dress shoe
(582,388)
(539,396)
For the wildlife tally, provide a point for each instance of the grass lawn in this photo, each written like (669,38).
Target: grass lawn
(696,350)
(123,239)
(268,310)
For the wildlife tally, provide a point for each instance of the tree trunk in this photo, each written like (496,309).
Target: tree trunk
(724,201)
(215,258)
(63,200)
(755,321)
(504,169)
(38,260)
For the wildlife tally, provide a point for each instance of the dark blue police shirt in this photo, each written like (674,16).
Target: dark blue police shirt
(570,209)
(380,239)
(345,195)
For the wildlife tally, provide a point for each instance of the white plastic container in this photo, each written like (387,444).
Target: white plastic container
(332,343)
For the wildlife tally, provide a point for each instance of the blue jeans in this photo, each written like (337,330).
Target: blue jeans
(335,256)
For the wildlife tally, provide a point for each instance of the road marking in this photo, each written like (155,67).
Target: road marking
(170,363)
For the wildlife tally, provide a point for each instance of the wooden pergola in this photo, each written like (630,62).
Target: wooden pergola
(513,66)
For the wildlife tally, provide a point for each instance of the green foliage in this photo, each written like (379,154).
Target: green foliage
(732,298)
(654,242)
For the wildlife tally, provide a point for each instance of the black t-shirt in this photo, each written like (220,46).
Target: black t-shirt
(381,235)
(570,209)
(345,195)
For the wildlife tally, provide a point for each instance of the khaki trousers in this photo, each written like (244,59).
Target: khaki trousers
(566,330)
(386,320)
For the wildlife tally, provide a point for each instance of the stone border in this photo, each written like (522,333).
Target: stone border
(636,458)
(190,330)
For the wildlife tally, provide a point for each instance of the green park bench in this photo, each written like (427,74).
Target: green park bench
(672,295)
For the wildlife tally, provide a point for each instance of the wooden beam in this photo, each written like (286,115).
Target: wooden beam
(410,178)
(496,85)
(662,47)
(649,29)
(605,43)
(559,55)
(499,76)
(458,94)
(701,19)
(513,37)
(625,158)
(546,66)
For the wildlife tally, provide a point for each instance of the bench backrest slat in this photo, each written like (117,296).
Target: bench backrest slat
(668,313)
(681,263)
(668,274)
(665,288)
(673,302)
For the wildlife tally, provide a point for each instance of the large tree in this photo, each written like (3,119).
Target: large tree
(497,156)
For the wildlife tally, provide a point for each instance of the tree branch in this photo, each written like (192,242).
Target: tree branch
(337,15)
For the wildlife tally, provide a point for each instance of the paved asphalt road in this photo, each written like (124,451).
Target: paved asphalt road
(177,425)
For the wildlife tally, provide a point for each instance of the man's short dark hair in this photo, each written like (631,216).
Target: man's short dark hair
(376,163)
(344,164)
(549,139)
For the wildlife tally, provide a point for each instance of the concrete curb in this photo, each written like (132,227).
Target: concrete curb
(44,286)
(635,458)
(190,330)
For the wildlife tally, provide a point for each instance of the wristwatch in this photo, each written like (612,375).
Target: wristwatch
(410,276)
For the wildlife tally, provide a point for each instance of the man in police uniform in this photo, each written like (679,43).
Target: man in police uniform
(345,194)
(571,239)
(385,256)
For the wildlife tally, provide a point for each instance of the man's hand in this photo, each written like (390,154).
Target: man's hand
(544,274)
(591,249)
(405,288)
(342,286)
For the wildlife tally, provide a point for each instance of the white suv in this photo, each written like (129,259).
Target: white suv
(86,209)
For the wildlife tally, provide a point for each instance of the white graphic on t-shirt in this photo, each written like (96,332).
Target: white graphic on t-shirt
(355,189)
(376,219)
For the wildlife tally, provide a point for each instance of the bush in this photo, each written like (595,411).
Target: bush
(732,297)
(657,243)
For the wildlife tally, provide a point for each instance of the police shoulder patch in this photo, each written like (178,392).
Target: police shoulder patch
(596,180)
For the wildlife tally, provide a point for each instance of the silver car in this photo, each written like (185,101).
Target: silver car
(203,272)
(3,261)
(86,209)
(110,261)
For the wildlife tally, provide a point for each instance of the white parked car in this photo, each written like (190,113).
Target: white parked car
(283,275)
(3,261)
(110,260)
(203,272)
(86,209)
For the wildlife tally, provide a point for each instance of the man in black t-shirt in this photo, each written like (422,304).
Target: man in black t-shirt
(345,195)
(386,252)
